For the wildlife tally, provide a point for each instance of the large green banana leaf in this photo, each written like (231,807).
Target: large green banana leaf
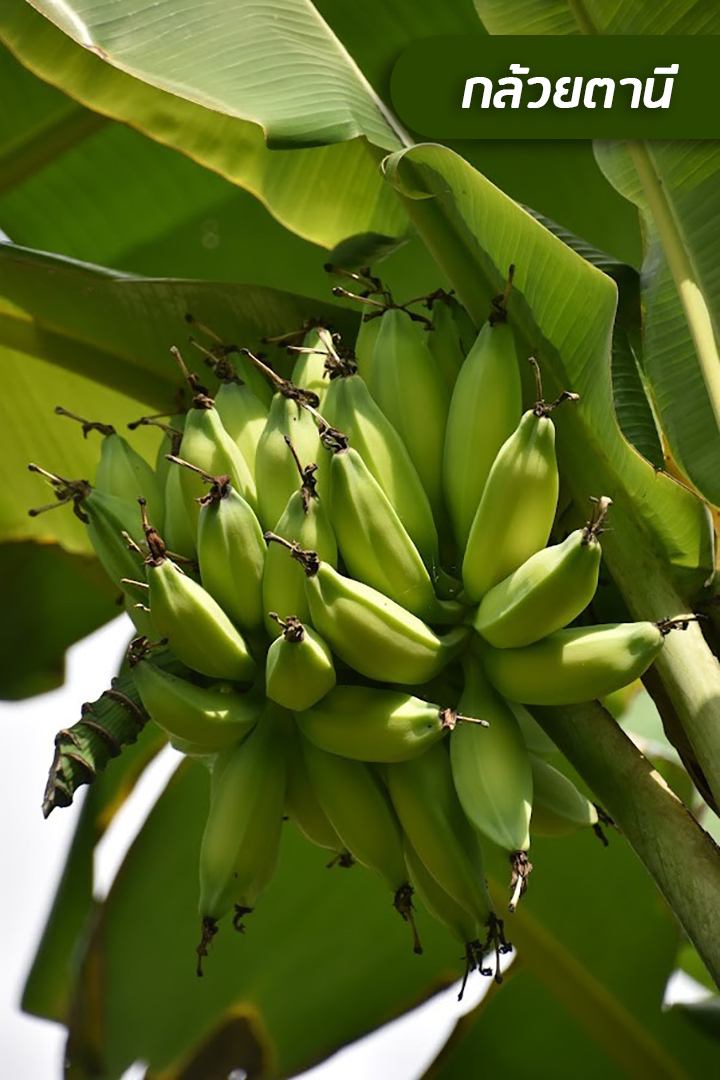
(323,194)
(675,185)
(277,65)
(597,17)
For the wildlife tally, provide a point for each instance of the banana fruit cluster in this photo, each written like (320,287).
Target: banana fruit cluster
(351,569)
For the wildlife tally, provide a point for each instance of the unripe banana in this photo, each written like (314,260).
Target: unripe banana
(358,806)
(121,471)
(207,445)
(545,594)
(197,629)
(365,344)
(425,800)
(306,523)
(208,718)
(466,329)
(374,544)
(180,527)
(275,468)
(301,802)
(444,343)
(407,385)
(241,841)
(558,807)
(300,668)
(169,444)
(484,411)
(231,554)
(370,632)
(535,738)
(438,902)
(517,507)
(309,370)
(443,908)
(571,666)
(491,770)
(375,725)
(243,416)
(349,407)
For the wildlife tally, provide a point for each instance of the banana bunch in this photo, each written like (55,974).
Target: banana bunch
(350,573)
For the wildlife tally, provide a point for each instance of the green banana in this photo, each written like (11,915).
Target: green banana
(370,632)
(231,554)
(405,382)
(180,526)
(301,802)
(492,773)
(466,329)
(300,668)
(425,801)
(374,544)
(536,740)
(517,507)
(243,415)
(571,666)
(349,407)
(121,471)
(169,444)
(207,445)
(355,801)
(375,725)
(447,911)
(545,593)
(304,522)
(241,841)
(208,718)
(309,370)
(484,411)
(558,807)
(444,342)
(365,343)
(197,629)
(275,468)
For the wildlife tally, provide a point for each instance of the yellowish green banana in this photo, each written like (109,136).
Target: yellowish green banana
(444,343)
(301,802)
(425,800)
(492,773)
(571,666)
(208,718)
(243,416)
(375,545)
(299,668)
(558,807)
(350,408)
(304,522)
(484,411)
(517,507)
(198,631)
(407,385)
(355,801)
(241,841)
(309,370)
(231,554)
(367,630)
(368,724)
(275,468)
(545,593)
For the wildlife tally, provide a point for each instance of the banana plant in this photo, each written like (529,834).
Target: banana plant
(173,162)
